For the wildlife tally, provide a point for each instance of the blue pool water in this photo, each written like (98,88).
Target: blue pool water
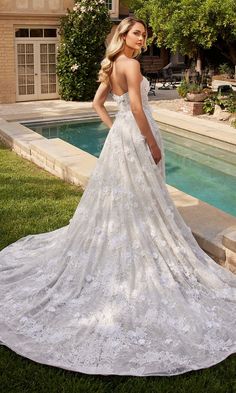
(89,136)
(205,172)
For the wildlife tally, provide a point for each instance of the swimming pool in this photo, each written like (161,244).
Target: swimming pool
(203,171)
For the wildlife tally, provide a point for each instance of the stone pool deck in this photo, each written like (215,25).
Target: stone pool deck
(214,230)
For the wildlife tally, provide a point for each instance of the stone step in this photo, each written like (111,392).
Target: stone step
(197,146)
(201,158)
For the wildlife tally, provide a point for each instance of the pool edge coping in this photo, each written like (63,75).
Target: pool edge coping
(215,134)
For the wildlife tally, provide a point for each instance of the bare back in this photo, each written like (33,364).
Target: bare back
(118,79)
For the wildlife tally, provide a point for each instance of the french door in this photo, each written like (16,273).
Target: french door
(36,70)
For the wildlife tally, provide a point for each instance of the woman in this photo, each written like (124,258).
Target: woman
(123,289)
(123,74)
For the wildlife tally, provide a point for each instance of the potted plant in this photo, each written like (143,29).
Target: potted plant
(196,93)
(192,91)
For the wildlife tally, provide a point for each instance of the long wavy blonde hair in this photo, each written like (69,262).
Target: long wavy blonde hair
(117,45)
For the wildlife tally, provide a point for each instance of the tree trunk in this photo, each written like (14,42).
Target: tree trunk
(199,61)
(198,67)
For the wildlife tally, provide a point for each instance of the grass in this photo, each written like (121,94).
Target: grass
(32,201)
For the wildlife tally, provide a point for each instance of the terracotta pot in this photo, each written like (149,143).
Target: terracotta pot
(196,97)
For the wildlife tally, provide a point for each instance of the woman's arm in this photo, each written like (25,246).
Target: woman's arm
(133,77)
(98,103)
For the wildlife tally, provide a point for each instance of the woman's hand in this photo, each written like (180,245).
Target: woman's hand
(155,151)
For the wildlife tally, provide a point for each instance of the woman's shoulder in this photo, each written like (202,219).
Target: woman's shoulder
(127,60)
(133,63)
(127,63)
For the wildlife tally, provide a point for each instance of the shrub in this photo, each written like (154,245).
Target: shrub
(230,103)
(194,88)
(209,105)
(83,32)
(226,69)
(183,88)
(226,103)
(186,87)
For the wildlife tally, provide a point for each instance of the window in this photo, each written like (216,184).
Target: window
(50,33)
(22,33)
(109,4)
(35,33)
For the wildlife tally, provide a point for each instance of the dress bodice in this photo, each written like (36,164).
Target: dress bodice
(123,100)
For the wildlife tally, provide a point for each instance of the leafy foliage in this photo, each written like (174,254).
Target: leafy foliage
(209,105)
(83,32)
(226,69)
(195,88)
(227,103)
(185,87)
(187,26)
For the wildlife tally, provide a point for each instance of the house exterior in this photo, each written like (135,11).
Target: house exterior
(28,50)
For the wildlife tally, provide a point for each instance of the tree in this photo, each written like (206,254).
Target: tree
(188,26)
(83,32)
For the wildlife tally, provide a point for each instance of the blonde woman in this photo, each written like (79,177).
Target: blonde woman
(123,289)
(120,73)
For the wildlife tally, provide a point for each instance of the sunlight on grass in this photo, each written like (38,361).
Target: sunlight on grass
(31,200)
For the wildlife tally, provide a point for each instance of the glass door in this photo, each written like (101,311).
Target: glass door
(36,70)
(25,56)
(48,78)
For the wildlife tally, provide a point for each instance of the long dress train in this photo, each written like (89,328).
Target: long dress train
(123,289)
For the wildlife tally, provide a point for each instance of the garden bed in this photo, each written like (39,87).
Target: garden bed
(177,106)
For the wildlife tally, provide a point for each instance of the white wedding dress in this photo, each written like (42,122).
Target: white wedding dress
(123,289)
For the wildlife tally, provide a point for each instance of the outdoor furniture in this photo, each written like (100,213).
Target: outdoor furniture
(224,90)
(170,75)
(152,78)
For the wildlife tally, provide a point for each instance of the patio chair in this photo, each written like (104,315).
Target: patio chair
(152,78)
(171,75)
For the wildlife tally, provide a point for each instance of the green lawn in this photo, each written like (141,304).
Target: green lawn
(33,201)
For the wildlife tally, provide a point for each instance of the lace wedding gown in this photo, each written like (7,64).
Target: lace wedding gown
(123,289)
